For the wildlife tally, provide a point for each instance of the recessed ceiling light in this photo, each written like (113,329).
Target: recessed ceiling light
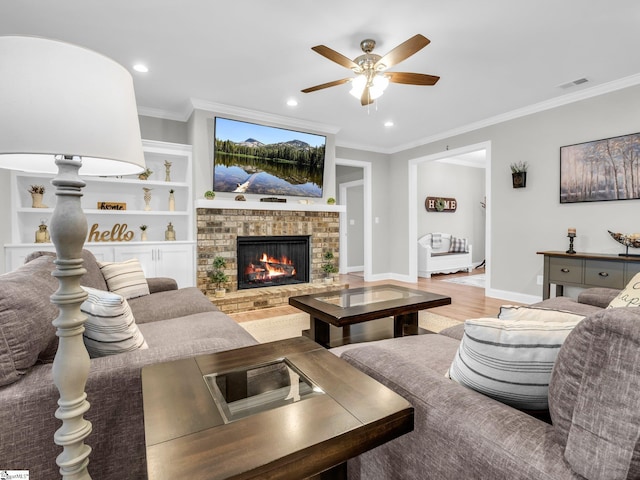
(138,67)
(292,102)
(388,123)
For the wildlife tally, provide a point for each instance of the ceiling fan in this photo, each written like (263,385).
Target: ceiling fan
(371,76)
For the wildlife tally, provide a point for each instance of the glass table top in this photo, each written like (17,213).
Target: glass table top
(353,299)
(258,388)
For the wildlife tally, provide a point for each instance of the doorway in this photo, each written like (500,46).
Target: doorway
(358,171)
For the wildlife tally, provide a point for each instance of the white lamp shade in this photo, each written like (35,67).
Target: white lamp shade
(61,99)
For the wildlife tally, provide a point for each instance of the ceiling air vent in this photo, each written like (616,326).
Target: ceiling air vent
(573,83)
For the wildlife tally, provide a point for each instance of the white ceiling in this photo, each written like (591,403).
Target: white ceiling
(493,56)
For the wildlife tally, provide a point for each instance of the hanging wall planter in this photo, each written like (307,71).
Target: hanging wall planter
(519,174)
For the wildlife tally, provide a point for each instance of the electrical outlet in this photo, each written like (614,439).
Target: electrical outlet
(539,280)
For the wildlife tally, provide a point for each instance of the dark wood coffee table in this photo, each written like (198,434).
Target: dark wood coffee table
(344,308)
(189,435)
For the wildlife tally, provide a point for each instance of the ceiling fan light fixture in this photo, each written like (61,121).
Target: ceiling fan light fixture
(376,89)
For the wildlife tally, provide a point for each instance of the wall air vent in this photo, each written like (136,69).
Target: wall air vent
(573,83)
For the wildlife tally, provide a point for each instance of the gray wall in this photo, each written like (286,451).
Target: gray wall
(163,130)
(531,219)
(467,186)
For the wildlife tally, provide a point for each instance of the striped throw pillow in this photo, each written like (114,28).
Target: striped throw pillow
(125,278)
(510,360)
(110,327)
(436,241)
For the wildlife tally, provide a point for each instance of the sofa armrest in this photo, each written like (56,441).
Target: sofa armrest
(598,296)
(161,284)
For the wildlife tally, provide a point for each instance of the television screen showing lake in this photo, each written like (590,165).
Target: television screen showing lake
(281,162)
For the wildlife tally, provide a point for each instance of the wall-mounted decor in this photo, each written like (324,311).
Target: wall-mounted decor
(265,160)
(440,204)
(519,174)
(600,170)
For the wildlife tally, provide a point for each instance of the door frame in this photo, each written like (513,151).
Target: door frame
(368,212)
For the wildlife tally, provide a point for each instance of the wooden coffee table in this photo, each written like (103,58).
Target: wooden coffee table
(344,308)
(191,433)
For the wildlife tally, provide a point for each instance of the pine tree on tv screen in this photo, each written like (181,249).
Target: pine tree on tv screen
(259,159)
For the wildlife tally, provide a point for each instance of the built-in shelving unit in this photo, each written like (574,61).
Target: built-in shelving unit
(158,257)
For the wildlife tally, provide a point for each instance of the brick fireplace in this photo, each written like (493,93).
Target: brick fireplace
(218,230)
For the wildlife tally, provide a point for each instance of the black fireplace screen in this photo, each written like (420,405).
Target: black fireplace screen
(269,261)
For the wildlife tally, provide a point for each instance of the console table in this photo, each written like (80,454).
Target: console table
(586,270)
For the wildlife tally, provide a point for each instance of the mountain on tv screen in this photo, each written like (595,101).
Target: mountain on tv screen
(259,159)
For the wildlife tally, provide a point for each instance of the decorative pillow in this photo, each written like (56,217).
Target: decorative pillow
(436,240)
(526,312)
(458,245)
(110,327)
(630,296)
(510,360)
(125,278)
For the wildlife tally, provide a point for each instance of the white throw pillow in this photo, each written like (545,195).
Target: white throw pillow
(125,278)
(110,327)
(526,312)
(510,360)
(629,296)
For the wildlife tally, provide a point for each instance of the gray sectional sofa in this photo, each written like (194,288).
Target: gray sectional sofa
(175,323)
(594,406)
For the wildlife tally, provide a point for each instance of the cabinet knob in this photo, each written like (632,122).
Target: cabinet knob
(603,274)
(564,270)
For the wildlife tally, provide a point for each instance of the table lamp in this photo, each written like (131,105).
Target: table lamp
(70,111)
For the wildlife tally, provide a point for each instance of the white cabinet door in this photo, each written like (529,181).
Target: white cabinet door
(175,260)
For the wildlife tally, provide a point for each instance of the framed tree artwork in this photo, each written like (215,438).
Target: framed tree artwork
(601,170)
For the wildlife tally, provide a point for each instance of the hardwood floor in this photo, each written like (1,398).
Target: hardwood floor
(466,302)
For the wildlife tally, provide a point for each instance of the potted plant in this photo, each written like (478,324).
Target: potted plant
(328,267)
(218,276)
(145,175)
(331,201)
(143,233)
(209,194)
(519,174)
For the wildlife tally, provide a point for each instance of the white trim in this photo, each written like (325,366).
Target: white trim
(359,268)
(167,115)
(412,182)
(265,117)
(344,256)
(522,112)
(252,205)
(368,213)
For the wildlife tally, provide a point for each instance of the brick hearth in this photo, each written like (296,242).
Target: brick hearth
(217,232)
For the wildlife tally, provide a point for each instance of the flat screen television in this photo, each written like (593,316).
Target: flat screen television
(265,160)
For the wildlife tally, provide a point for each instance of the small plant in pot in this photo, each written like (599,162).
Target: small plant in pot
(519,174)
(328,267)
(218,276)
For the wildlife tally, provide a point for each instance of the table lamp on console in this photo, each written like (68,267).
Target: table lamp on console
(68,111)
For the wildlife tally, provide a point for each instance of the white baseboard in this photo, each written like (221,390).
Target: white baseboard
(359,268)
(513,296)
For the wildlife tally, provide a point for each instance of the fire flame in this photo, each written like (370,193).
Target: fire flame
(270,267)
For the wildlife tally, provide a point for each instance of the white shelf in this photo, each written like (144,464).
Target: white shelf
(127,189)
(252,205)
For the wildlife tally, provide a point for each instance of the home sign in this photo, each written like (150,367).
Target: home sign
(440,204)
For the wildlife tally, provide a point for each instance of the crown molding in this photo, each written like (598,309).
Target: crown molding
(258,116)
(165,114)
(587,93)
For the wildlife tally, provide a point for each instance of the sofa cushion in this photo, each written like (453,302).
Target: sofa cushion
(528,312)
(629,296)
(594,396)
(170,304)
(510,360)
(110,327)
(26,313)
(458,245)
(125,278)
(92,278)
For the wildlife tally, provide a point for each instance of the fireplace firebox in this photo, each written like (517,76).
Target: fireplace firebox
(272,260)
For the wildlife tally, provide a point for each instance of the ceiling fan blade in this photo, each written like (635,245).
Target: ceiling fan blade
(325,85)
(366,99)
(403,51)
(336,57)
(412,78)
